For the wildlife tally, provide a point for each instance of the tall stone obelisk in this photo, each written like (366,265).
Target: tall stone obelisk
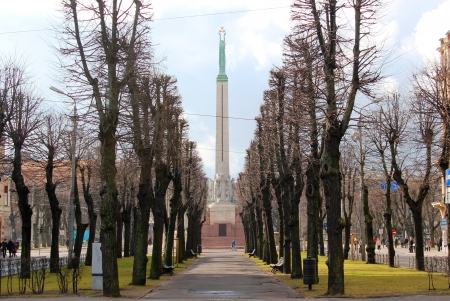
(222,128)
(222,223)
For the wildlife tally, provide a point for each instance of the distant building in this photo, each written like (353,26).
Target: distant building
(5,194)
(444,50)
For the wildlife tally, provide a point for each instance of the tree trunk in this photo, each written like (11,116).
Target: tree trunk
(348,225)
(295,234)
(175,201)
(141,218)
(119,229)
(80,227)
(107,211)
(56,212)
(320,233)
(126,218)
(286,228)
(180,234)
(388,221)
(418,228)
(159,213)
(86,184)
(314,201)
(272,249)
(368,220)
(331,179)
(25,211)
(259,229)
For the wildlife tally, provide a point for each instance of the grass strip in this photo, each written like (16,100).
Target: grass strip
(125,266)
(368,280)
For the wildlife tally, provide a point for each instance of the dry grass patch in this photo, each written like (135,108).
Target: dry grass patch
(368,280)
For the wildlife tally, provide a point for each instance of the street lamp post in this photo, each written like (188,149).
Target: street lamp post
(361,180)
(73,179)
(361,191)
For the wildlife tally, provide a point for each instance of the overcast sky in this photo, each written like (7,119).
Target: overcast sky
(190,44)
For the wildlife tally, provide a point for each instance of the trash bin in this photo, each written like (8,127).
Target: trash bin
(309,271)
(199,249)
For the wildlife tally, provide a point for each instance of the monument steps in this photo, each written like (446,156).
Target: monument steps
(222,242)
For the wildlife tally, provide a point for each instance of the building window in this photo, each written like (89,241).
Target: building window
(222,230)
(5,190)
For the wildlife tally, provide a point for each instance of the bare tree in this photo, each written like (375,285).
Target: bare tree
(20,127)
(349,172)
(102,42)
(395,126)
(345,73)
(50,136)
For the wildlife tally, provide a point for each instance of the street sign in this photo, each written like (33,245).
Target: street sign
(394,185)
(394,232)
(380,231)
(447,195)
(444,221)
(325,225)
(447,177)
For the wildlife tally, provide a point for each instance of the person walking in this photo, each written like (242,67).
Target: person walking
(11,248)
(378,243)
(411,245)
(439,244)
(233,245)
(4,247)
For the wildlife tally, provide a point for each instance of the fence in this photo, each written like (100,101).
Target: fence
(384,259)
(19,277)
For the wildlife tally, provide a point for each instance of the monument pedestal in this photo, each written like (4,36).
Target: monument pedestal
(222,225)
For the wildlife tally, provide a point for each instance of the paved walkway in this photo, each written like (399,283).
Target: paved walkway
(223,274)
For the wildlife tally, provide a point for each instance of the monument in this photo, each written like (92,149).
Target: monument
(223,223)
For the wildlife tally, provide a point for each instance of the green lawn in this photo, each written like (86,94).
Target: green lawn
(369,280)
(125,266)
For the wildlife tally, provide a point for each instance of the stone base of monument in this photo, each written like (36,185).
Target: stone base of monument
(222,225)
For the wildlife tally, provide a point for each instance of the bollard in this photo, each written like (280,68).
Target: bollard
(309,271)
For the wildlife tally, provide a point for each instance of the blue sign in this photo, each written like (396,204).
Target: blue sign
(447,177)
(394,185)
(444,221)
(325,225)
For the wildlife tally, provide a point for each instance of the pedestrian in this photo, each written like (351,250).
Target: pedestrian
(396,242)
(4,247)
(411,245)
(439,244)
(355,242)
(383,242)
(405,242)
(429,244)
(11,248)
(233,245)
(67,243)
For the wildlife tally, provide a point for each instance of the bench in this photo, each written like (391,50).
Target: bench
(252,253)
(166,269)
(193,254)
(277,266)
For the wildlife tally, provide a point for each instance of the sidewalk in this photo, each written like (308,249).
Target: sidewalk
(219,275)
(405,251)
